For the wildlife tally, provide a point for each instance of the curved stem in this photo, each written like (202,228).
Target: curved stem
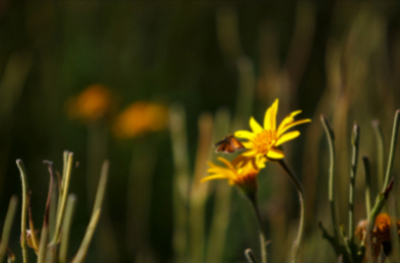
(330,136)
(300,191)
(253,201)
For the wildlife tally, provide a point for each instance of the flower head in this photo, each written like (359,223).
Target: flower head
(264,140)
(140,117)
(91,104)
(241,172)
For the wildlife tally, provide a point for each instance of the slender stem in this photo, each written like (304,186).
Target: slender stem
(101,188)
(381,150)
(43,244)
(12,207)
(24,180)
(60,215)
(82,251)
(45,229)
(253,201)
(300,191)
(67,228)
(331,138)
(392,148)
(353,172)
(367,170)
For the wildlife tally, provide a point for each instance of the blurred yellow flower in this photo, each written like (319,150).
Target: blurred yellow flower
(91,104)
(140,117)
(264,141)
(241,172)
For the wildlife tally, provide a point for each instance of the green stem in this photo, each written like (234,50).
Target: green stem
(392,148)
(330,136)
(24,180)
(381,150)
(367,170)
(82,251)
(67,228)
(253,201)
(43,244)
(353,172)
(12,207)
(300,191)
(60,215)
(387,186)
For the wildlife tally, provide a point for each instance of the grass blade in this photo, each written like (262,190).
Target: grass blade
(12,207)
(82,251)
(67,228)
(24,180)
(65,186)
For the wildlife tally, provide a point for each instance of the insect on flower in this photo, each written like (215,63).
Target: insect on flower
(228,145)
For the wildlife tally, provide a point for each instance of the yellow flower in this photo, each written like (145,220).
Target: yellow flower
(241,172)
(140,117)
(264,141)
(91,104)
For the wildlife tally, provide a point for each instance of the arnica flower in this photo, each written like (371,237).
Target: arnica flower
(91,104)
(140,117)
(380,236)
(264,141)
(240,172)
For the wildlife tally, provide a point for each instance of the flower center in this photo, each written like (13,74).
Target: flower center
(263,141)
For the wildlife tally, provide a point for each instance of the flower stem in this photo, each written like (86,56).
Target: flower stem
(300,191)
(253,201)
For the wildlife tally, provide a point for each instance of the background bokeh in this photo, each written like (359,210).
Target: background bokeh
(211,60)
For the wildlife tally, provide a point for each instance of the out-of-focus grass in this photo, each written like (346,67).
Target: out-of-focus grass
(339,59)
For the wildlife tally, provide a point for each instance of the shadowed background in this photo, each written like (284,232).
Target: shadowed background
(212,61)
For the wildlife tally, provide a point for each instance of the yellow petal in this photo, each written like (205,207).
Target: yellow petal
(270,116)
(214,177)
(226,162)
(247,145)
(288,119)
(249,153)
(260,162)
(291,125)
(274,153)
(244,134)
(255,126)
(287,137)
